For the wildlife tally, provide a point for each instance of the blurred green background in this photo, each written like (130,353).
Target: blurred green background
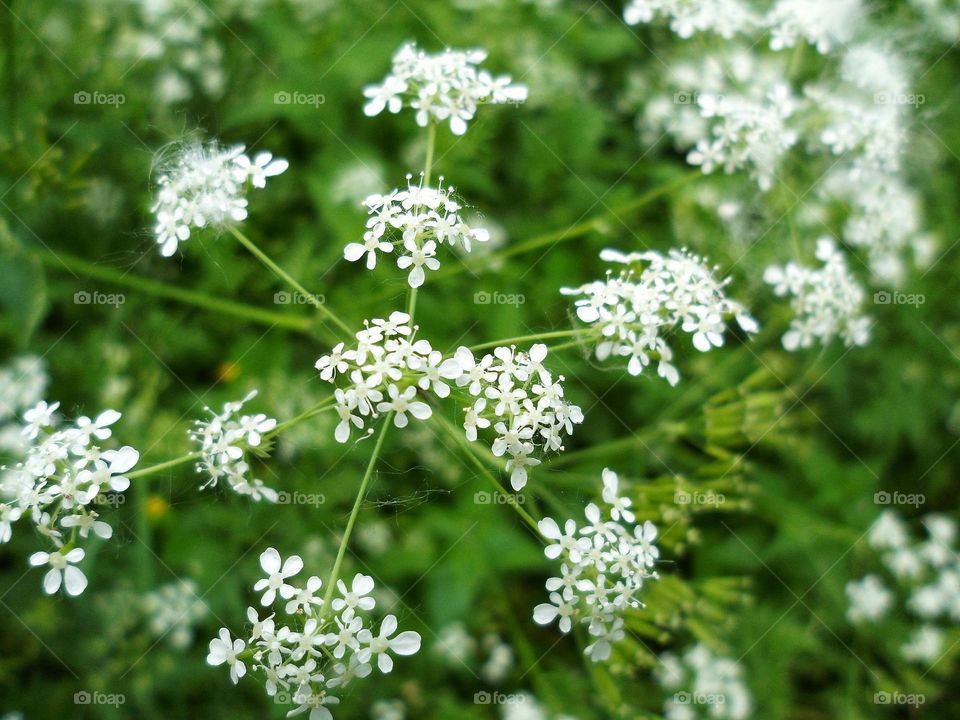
(797,443)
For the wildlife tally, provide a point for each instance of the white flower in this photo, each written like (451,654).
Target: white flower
(823,23)
(724,17)
(224,650)
(526,416)
(925,645)
(61,571)
(748,131)
(371,244)
(306,597)
(38,418)
(558,607)
(262,167)
(619,506)
(604,565)
(401,403)
(8,516)
(275,582)
(445,87)
(86,523)
(699,672)
(224,439)
(406,643)
(633,314)
(205,186)
(386,368)
(869,599)
(419,219)
(61,472)
(827,302)
(357,596)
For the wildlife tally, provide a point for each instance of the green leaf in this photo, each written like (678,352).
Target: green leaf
(23,289)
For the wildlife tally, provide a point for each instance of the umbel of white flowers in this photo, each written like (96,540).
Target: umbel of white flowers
(417,220)
(634,312)
(716,684)
(63,475)
(445,87)
(603,566)
(389,369)
(823,23)
(827,302)
(205,186)
(927,574)
(304,651)
(224,441)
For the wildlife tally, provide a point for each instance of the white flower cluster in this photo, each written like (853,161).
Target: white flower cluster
(723,17)
(63,474)
(748,131)
(926,571)
(705,686)
(205,186)
(863,121)
(172,610)
(177,36)
(461,651)
(23,383)
(224,440)
(604,564)
(735,110)
(824,24)
(827,302)
(445,87)
(517,395)
(635,311)
(385,369)
(389,369)
(418,219)
(311,650)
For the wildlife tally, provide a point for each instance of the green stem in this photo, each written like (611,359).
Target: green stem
(531,338)
(556,236)
(176,462)
(361,494)
(312,412)
(159,289)
(427,170)
(482,469)
(585,227)
(431,142)
(160,467)
(288,279)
